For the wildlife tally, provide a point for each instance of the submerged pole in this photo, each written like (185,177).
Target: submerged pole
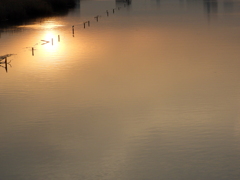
(107,12)
(32,51)
(96,17)
(6,68)
(73,30)
(88,23)
(58,38)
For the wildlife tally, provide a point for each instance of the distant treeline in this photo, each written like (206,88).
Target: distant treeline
(17,10)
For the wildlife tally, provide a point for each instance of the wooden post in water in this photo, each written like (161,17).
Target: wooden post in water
(113,11)
(52,41)
(6,68)
(73,30)
(88,23)
(107,12)
(32,51)
(96,17)
(58,38)
(84,25)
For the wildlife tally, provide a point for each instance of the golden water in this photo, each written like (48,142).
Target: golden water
(149,92)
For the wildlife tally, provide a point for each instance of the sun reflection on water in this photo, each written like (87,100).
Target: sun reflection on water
(48,24)
(50,42)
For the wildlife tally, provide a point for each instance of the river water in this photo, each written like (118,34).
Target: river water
(150,91)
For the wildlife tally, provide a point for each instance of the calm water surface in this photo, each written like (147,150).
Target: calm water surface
(149,92)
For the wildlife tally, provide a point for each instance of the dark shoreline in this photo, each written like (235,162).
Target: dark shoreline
(17,11)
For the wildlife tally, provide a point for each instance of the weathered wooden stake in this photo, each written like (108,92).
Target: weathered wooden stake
(96,17)
(88,23)
(58,38)
(73,30)
(107,12)
(113,11)
(6,67)
(32,51)
(84,25)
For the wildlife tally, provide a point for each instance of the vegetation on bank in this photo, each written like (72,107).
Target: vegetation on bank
(18,10)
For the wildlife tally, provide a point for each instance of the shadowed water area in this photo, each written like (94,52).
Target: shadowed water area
(149,90)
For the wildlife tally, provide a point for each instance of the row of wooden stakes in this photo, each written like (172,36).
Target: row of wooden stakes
(84,26)
(4,61)
(97,17)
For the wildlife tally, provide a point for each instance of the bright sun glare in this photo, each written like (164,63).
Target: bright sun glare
(50,42)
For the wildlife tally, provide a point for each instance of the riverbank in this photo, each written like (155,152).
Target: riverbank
(17,11)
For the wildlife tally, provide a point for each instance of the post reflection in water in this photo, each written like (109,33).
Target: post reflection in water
(128,2)
(221,6)
(4,62)
(211,6)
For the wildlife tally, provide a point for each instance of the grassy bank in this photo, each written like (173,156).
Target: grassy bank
(19,10)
